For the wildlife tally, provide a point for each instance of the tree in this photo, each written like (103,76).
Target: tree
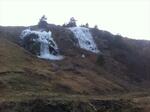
(100,60)
(86,25)
(72,22)
(96,27)
(43,23)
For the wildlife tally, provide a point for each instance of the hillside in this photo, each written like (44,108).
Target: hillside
(120,71)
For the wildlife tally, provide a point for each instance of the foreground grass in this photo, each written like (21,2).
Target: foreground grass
(55,102)
(21,96)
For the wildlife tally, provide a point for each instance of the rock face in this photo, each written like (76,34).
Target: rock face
(65,39)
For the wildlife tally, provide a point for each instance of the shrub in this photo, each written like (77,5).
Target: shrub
(100,60)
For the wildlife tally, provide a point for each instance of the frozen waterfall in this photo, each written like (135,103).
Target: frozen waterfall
(85,39)
(48,47)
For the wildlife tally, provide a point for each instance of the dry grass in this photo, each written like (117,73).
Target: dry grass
(24,77)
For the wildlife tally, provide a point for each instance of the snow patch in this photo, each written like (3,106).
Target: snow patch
(46,43)
(85,39)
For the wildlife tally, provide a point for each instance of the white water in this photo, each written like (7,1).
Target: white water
(85,39)
(45,40)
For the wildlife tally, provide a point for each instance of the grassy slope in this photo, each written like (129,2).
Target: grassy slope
(23,76)
(20,71)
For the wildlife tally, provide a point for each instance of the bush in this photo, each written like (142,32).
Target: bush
(100,60)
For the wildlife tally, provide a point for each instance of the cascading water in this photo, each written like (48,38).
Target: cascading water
(48,47)
(44,50)
(85,39)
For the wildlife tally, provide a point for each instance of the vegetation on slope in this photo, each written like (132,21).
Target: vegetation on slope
(25,77)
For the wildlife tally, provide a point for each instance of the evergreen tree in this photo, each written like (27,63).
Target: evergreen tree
(72,22)
(43,23)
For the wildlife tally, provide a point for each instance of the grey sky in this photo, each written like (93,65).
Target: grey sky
(130,18)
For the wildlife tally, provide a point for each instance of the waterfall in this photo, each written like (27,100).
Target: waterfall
(47,41)
(48,47)
(85,39)
(44,50)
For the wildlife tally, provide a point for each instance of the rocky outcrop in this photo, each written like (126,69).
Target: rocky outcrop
(65,39)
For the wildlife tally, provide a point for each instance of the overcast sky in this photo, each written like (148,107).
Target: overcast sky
(130,18)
